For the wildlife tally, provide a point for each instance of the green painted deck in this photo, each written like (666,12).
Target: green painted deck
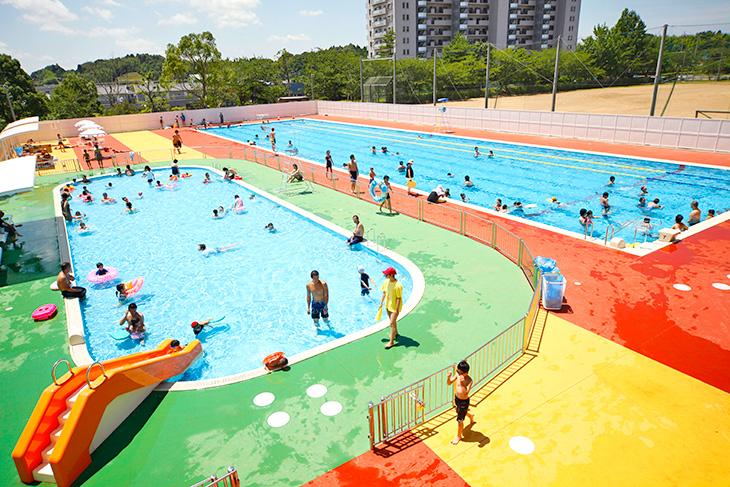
(178,438)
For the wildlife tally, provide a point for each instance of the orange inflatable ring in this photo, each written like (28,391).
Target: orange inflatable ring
(273,359)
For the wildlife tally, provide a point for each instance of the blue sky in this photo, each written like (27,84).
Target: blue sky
(69,32)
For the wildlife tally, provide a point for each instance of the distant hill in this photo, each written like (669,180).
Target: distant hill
(127,68)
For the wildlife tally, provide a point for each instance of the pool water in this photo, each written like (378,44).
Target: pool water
(531,175)
(259,288)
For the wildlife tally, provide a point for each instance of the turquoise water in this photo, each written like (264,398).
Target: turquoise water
(531,175)
(259,287)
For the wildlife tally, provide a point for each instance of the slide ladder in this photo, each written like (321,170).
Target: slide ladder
(78,412)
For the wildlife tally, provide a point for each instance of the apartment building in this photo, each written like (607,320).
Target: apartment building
(422,26)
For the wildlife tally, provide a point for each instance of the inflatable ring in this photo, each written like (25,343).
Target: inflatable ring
(93,277)
(132,287)
(383,191)
(273,359)
(185,175)
(173,178)
(44,312)
(239,209)
(170,186)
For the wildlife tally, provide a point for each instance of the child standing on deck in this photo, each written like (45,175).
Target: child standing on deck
(461,397)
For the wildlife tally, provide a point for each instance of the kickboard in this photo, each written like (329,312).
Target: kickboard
(411,184)
(120,334)
(219,319)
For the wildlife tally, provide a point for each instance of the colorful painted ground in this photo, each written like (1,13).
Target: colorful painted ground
(630,386)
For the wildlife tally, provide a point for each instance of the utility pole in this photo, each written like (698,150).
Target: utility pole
(555,75)
(10,103)
(486,88)
(434,76)
(658,71)
(362,96)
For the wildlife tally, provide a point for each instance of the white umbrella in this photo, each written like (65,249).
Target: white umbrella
(83,122)
(92,133)
(90,126)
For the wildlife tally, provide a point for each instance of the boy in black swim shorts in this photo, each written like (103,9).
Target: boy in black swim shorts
(461,397)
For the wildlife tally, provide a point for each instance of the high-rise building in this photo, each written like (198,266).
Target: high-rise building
(421,26)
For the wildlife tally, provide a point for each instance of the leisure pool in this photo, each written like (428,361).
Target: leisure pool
(259,288)
(529,174)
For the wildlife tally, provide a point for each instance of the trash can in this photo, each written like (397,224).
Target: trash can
(553,290)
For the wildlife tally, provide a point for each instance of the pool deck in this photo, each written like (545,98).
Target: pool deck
(630,386)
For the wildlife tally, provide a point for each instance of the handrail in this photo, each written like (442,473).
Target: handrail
(53,370)
(585,235)
(367,234)
(103,372)
(377,240)
(613,231)
(228,480)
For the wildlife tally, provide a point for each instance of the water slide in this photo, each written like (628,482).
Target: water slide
(80,410)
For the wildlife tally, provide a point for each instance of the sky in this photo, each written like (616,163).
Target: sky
(71,32)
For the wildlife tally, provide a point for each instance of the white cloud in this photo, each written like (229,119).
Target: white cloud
(101,13)
(310,13)
(136,44)
(228,13)
(106,33)
(110,3)
(289,38)
(48,15)
(178,19)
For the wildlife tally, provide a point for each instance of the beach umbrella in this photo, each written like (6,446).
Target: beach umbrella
(90,126)
(92,133)
(84,122)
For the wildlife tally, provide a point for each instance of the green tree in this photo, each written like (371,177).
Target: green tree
(388,47)
(155,93)
(256,80)
(27,102)
(457,50)
(286,68)
(75,97)
(195,64)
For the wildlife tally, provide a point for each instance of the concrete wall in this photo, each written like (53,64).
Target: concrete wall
(147,121)
(668,132)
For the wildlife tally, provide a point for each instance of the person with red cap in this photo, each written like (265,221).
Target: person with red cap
(393,300)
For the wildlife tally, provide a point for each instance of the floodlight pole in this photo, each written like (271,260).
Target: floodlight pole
(434,76)
(658,70)
(362,96)
(394,51)
(555,75)
(486,88)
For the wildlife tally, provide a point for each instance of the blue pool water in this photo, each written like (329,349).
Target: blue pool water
(260,288)
(516,173)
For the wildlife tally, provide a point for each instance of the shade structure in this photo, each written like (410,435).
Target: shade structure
(89,126)
(17,175)
(84,122)
(92,133)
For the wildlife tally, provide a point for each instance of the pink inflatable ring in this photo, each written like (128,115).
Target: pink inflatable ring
(44,312)
(93,277)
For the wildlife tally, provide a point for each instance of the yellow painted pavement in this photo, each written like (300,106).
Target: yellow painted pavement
(598,414)
(155,148)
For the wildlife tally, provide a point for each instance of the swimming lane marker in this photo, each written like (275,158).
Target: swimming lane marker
(278,419)
(331,408)
(721,286)
(522,445)
(682,287)
(317,390)
(264,399)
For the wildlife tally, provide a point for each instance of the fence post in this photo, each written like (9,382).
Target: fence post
(278,162)
(462,224)
(334,186)
(255,156)
(420,210)
(494,235)
(312,169)
(265,160)
(230,156)
(519,254)
(203,151)
(372,426)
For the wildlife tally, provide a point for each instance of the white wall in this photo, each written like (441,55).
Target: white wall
(668,132)
(147,121)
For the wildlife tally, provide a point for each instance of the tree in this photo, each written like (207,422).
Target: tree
(256,80)
(456,50)
(195,64)
(388,47)
(27,102)
(75,97)
(154,92)
(284,63)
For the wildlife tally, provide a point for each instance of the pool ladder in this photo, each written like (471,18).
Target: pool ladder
(370,235)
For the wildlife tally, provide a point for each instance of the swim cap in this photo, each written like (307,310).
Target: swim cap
(361,269)
(643,187)
(410,161)
(194,324)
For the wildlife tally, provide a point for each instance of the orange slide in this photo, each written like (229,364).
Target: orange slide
(79,411)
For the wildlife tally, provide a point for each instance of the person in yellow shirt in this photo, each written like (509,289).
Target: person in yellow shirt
(393,300)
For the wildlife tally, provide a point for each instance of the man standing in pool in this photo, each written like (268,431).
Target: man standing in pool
(318,297)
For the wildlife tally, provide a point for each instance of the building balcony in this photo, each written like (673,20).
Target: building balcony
(463,26)
(545,37)
(513,16)
(421,3)
(545,26)
(547,6)
(512,27)
(422,38)
(378,11)
(543,46)
(514,5)
(379,35)
(546,17)
(377,2)
(422,49)
(511,37)
(378,23)
(463,4)
(422,15)
(463,16)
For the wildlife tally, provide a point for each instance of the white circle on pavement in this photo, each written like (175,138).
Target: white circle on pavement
(278,419)
(317,390)
(577,283)
(264,399)
(721,286)
(682,287)
(522,445)
(331,408)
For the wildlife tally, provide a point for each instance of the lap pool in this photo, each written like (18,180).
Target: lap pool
(529,174)
(259,287)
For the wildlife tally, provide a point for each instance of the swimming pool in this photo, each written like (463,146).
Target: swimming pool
(529,174)
(259,288)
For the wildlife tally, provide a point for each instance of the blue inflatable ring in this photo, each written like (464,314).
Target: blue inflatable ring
(383,191)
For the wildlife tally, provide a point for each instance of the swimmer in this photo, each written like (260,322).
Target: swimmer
(238,203)
(78,216)
(401,167)
(221,210)
(491,154)
(159,185)
(695,215)
(149,175)
(100,271)
(121,292)
(119,173)
(252,197)
(644,191)
(206,252)
(364,281)
(130,208)
(206,179)
(504,209)
(467,182)
(710,214)
(448,174)
(197,326)
(464,198)
(270,228)
(642,202)
(373,150)
(84,179)
(216,215)
(107,200)
(384,150)
(611,181)
(173,177)
(604,204)
(589,217)
(654,205)
(554,200)
(679,224)
(476,152)
(317,300)
(129,171)
(582,216)
(135,322)
(140,195)
(124,198)
(498,205)
(82,226)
